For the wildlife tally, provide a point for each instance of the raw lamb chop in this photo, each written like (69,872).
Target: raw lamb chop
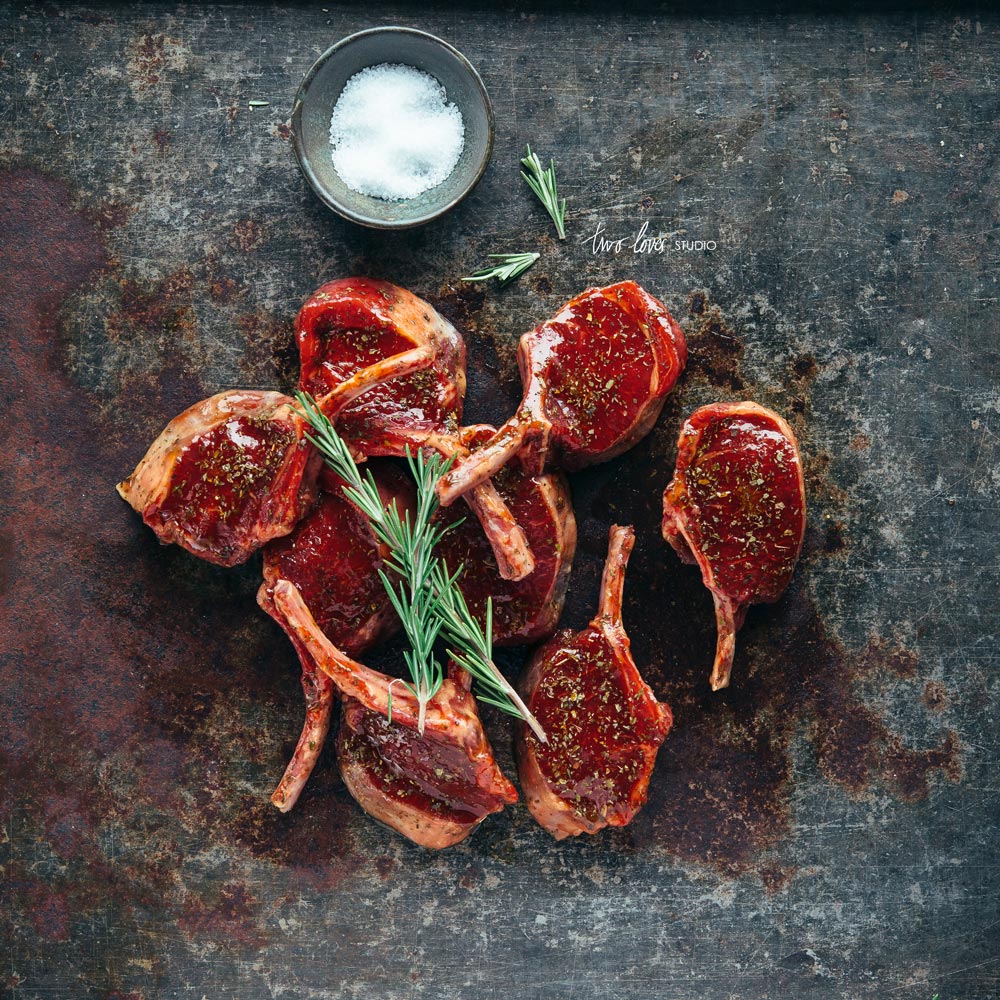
(235,470)
(595,379)
(428,789)
(434,788)
(353,322)
(603,723)
(528,610)
(737,507)
(333,558)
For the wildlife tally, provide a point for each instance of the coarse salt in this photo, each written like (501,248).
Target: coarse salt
(394,134)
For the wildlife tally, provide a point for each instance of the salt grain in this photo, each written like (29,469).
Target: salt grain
(394,134)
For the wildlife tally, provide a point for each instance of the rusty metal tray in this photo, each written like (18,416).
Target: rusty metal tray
(827,827)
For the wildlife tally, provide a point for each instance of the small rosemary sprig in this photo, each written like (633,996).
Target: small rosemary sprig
(513,266)
(543,183)
(428,600)
(473,647)
(411,544)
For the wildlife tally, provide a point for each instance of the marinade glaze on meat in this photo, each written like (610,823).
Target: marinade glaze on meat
(603,723)
(450,765)
(736,506)
(595,379)
(235,470)
(528,610)
(353,322)
(433,790)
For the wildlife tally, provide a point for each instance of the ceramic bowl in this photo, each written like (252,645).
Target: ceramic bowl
(323,85)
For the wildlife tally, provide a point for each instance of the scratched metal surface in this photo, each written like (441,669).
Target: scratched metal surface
(825,829)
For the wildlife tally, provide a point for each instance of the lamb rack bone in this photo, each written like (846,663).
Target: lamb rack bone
(524,611)
(604,724)
(434,787)
(447,715)
(428,789)
(334,559)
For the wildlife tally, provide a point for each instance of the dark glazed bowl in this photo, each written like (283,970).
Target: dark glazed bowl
(321,88)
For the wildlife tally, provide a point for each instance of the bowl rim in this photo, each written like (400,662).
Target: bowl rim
(305,164)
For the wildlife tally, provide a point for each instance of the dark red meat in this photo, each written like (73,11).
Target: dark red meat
(737,507)
(235,470)
(430,788)
(604,725)
(348,324)
(333,558)
(353,322)
(595,378)
(434,787)
(528,610)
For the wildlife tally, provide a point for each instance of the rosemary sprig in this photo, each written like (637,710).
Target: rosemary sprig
(411,544)
(543,183)
(513,266)
(427,599)
(473,647)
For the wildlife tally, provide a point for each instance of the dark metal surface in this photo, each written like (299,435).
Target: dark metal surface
(825,828)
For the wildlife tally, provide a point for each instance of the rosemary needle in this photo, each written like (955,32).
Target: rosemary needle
(543,183)
(513,266)
(427,598)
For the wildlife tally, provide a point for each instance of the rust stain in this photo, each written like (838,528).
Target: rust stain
(228,919)
(108,215)
(714,349)
(155,321)
(542,285)
(461,305)
(936,696)
(822,491)
(116,724)
(775,877)
(163,310)
(223,289)
(49,911)
(385,867)
(249,236)
(721,794)
(805,369)
(835,540)
(271,356)
(283,131)
(152,55)
(880,654)
(941,72)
